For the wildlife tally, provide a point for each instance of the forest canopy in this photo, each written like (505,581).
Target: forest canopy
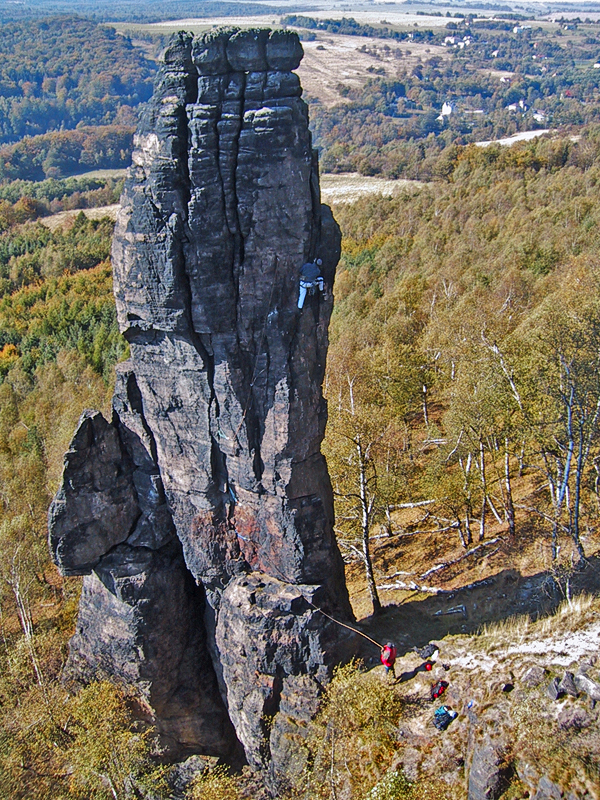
(133,10)
(66,71)
(464,351)
(62,153)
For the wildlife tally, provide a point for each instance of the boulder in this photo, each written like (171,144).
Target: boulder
(567,685)
(553,690)
(587,685)
(284,51)
(247,50)
(534,676)
(574,719)
(489,772)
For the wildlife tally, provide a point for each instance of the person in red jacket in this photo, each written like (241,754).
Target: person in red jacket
(388,658)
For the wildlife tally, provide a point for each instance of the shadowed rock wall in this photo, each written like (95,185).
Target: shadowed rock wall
(211,463)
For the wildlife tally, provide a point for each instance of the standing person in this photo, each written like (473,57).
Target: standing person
(310,279)
(388,658)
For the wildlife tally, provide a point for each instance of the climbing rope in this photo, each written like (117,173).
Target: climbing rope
(310,603)
(239,427)
(343,624)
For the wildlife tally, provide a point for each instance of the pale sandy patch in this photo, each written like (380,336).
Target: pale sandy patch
(524,136)
(381,16)
(558,650)
(101,174)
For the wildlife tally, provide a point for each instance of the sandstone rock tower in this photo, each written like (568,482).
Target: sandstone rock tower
(201,514)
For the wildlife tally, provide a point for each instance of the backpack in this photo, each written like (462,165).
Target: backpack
(442,717)
(438,689)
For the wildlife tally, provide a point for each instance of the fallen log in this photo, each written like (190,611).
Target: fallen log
(473,551)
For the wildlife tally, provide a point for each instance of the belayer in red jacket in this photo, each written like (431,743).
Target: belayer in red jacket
(388,658)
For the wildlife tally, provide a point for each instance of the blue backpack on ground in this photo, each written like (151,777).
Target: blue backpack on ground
(442,717)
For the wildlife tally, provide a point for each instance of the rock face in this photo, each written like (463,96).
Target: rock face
(203,510)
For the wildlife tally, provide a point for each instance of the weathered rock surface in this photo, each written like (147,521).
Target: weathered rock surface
(140,622)
(567,685)
(96,507)
(547,790)
(587,685)
(573,719)
(213,451)
(553,690)
(534,676)
(488,773)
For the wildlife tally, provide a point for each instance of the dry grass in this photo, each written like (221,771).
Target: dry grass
(66,218)
(349,186)
(513,631)
(571,616)
(101,174)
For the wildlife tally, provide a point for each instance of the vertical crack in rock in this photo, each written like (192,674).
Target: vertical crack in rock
(202,514)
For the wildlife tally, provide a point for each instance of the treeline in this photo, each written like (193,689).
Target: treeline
(22,201)
(137,11)
(67,71)
(465,352)
(350,27)
(63,153)
(31,251)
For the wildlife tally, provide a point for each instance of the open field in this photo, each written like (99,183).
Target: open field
(334,59)
(331,59)
(342,188)
(65,218)
(101,174)
(386,14)
(523,136)
(349,186)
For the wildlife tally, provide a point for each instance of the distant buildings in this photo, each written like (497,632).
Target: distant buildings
(457,42)
(447,109)
(520,106)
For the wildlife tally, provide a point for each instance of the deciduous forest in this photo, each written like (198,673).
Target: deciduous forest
(67,71)
(463,378)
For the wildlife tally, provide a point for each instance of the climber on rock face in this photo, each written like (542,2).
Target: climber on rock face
(310,279)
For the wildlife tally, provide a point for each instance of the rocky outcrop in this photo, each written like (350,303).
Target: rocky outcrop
(489,773)
(204,510)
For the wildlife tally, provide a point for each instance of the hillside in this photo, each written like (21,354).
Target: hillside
(462,311)
(436,271)
(463,439)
